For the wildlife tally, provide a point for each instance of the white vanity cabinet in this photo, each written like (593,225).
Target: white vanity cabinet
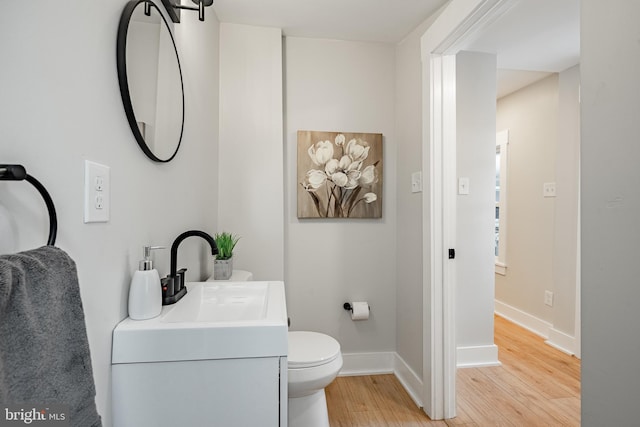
(215,393)
(216,358)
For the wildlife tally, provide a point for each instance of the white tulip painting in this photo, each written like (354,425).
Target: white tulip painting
(339,175)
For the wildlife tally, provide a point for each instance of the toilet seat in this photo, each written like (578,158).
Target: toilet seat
(310,349)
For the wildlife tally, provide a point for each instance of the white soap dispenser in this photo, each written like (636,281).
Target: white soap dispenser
(145,293)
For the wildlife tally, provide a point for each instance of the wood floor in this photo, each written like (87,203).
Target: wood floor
(536,385)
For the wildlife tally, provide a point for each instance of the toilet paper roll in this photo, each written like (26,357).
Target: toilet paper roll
(359,310)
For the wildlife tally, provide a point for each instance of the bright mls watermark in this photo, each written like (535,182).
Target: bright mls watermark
(34,415)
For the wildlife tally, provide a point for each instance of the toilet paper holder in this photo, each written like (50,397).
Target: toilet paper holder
(347,306)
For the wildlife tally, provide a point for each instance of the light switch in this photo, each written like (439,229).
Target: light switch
(96,192)
(463,186)
(416,182)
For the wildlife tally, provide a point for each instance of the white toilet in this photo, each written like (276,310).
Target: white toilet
(314,361)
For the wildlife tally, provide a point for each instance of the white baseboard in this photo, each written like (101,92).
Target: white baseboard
(561,341)
(354,364)
(555,338)
(411,382)
(526,320)
(477,356)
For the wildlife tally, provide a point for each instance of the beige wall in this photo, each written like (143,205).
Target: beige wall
(543,123)
(531,115)
(565,253)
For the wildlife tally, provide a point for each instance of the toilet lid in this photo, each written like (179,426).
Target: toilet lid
(307,349)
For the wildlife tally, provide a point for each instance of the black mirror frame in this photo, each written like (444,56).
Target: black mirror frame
(121,59)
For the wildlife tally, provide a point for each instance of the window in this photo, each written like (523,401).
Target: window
(502,144)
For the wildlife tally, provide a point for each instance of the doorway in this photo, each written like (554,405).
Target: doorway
(459,24)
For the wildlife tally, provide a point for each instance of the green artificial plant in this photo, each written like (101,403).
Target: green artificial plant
(225,243)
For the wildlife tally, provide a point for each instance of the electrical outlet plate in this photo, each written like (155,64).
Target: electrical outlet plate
(549,189)
(97,200)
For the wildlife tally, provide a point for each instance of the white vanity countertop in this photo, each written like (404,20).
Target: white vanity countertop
(185,331)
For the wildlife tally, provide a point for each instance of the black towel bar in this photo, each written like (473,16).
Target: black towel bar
(19,173)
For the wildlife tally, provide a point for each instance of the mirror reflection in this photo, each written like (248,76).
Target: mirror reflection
(150,80)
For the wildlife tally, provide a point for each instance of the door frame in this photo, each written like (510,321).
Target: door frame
(458,23)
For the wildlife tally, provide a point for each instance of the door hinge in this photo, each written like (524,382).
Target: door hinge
(452,253)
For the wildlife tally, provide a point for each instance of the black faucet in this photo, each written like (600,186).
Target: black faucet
(173,285)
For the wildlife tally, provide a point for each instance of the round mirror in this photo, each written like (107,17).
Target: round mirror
(150,80)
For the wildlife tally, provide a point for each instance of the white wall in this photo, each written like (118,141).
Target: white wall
(60,105)
(410,256)
(610,208)
(341,86)
(475,118)
(251,166)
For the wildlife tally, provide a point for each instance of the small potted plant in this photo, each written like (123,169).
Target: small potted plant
(223,263)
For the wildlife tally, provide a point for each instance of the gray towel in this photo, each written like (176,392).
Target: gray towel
(44,352)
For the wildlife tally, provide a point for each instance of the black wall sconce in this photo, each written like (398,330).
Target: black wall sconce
(174,6)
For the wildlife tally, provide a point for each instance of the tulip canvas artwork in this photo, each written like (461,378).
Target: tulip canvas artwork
(339,175)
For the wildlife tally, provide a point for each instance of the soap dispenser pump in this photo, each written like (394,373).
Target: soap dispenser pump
(145,293)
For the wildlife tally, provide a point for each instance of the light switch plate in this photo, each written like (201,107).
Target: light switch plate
(463,186)
(416,182)
(97,187)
